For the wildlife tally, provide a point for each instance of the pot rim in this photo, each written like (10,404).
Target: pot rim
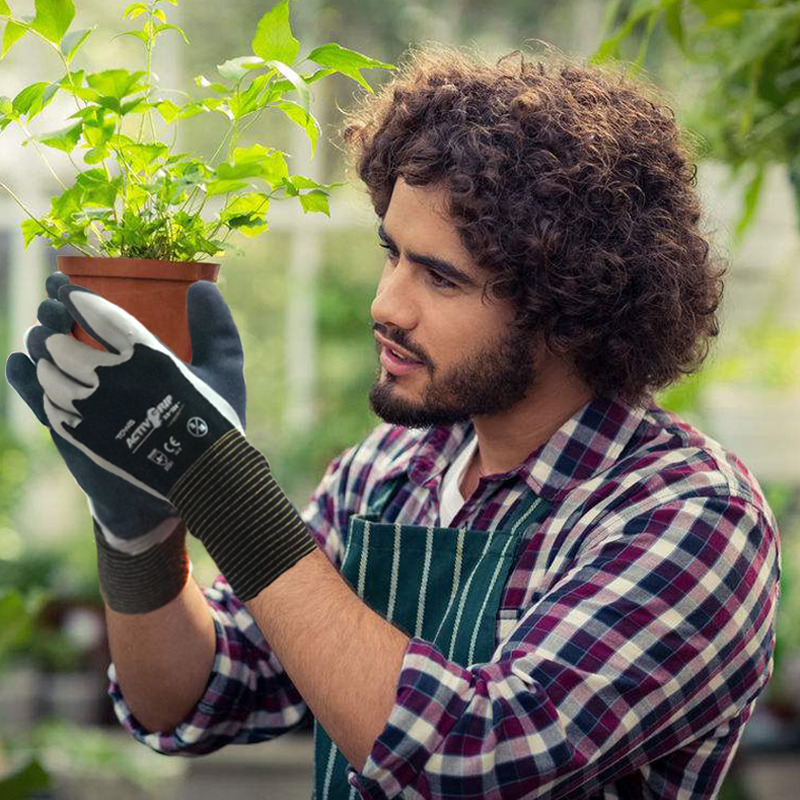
(142,268)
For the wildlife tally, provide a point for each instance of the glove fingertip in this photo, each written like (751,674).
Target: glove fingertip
(54,282)
(21,375)
(36,341)
(54,314)
(211,325)
(101,310)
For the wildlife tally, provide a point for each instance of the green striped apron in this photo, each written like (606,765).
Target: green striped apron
(443,585)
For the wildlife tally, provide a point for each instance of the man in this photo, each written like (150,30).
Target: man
(529,580)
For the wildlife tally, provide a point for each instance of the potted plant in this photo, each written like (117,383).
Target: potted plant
(143,217)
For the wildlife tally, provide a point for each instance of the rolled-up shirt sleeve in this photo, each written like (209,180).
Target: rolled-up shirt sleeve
(660,633)
(249,697)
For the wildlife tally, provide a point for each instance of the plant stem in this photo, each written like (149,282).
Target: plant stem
(149,47)
(221,144)
(58,51)
(44,227)
(41,153)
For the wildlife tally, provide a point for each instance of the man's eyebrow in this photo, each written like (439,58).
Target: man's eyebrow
(444,268)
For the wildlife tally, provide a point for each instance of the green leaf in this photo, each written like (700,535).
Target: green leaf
(24,782)
(302,182)
(713,8)
(53,18)
(236,68)
(306,121)
(96,189)
(116,83)
(274,39)
(70,80)
(252,98)
(191,110)
(752,195)
(7,113)
(97,131)
(5,11)
(66,204)
(134,10)
(137,106)
(224,187)
(96,155)
(203,83)
(169,111)
(31,229)
(348,62)
(65,139)
(760,32)
(253,203)
(141,157)
(271,162)
(218,104)
(72,42)
(279,87)
(141,35)
(246,213)
(296,80)
(652,21)
(229,172)
(12,34)
(315,200)
(34,98)
(674,23)
(167,27)
(640,9)
(15,621)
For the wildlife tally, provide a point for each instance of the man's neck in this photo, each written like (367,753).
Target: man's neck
(506,440)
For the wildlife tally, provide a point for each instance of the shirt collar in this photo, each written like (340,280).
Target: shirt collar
(586,445)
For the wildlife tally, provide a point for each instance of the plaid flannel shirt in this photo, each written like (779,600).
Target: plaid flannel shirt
(634,634)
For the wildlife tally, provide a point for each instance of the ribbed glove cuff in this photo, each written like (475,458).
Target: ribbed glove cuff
(230,501)
(145,582)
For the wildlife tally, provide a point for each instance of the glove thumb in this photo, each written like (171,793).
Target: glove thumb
(217,355)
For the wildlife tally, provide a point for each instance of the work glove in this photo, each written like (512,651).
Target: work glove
(168,428)
(140,538)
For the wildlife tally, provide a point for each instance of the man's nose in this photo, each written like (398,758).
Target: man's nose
(395,303)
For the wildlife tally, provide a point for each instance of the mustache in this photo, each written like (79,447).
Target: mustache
(401,340)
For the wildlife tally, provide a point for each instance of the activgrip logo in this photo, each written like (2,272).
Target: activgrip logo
(136,435)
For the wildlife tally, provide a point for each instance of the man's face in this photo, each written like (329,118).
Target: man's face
(467,359)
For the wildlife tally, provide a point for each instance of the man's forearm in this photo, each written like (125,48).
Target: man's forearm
(163,658)
(344,659)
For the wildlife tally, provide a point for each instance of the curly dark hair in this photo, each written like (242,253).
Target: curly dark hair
(573,189)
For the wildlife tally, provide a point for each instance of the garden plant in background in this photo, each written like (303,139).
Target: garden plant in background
(134,197)
(748,53)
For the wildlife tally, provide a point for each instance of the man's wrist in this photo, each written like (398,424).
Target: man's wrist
(230,501)
(139,584)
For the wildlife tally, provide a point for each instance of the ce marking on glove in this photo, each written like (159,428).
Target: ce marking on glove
(173,446)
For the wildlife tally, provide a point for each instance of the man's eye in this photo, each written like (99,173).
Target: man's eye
(440,282)
(435,278)
(390,250)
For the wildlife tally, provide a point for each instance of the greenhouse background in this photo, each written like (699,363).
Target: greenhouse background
(300,295)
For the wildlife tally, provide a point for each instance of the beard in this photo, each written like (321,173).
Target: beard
(488,382)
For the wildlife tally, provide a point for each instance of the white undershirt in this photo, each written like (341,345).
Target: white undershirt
(451,498)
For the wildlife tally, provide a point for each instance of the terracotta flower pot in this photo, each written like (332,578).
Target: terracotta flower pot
(152,291)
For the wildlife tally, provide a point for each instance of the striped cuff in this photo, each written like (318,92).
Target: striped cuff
(144,582)
(232,504)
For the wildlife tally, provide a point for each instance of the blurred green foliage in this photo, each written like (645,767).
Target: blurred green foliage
(746,54)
